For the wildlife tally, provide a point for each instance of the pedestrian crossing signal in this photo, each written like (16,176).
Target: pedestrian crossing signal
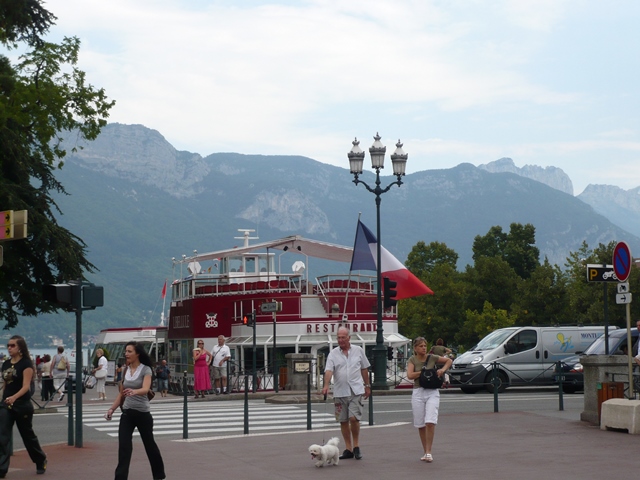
(249,320)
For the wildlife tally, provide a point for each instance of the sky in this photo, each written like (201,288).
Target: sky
(544,82)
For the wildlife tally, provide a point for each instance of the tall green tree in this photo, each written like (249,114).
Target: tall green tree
(431,316)
(542,298)
(43,95)
(517,247)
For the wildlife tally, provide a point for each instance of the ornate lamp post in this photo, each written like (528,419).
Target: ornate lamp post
(399,161)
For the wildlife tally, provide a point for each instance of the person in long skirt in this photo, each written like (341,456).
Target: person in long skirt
(136,412)
(16,406)
(201,378)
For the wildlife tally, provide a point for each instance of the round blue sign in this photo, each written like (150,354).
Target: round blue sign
(622,261)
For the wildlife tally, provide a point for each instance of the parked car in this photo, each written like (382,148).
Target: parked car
(72,374)
(572,368)
(524,356)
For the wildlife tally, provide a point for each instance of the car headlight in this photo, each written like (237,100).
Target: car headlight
(577,368)
(477,360)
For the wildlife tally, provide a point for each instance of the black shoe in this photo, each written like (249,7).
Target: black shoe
(346,454)
(356,453)
(42,468)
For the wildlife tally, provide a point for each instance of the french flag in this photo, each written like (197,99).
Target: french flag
(364,258)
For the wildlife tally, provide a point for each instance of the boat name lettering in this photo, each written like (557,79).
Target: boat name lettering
(181,321)
(333,327)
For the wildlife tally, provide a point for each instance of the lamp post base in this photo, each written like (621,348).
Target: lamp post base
(380,368)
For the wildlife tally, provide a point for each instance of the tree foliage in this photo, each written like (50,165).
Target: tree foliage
(507,286)
(41,96)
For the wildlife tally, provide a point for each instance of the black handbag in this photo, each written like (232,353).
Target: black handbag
(429,377)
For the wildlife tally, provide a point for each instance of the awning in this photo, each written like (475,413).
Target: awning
(293,244)
(360,339)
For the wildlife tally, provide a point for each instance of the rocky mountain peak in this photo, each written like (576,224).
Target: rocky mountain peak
(140,154)
(551,176)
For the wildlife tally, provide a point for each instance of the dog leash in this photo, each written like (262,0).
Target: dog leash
(324,419)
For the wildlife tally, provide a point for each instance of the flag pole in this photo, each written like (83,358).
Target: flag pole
(346,297)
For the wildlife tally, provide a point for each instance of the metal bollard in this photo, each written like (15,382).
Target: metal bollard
(494,381)
(560,385)
(246,404)
(185,408)
(308,400)
(70,440)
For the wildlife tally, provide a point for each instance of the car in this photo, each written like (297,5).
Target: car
(572,367)
(72,375)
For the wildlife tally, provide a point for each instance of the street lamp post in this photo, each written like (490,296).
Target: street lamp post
(399,162)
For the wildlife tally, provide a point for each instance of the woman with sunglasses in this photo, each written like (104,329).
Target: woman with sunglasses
(201,379)
(16,406)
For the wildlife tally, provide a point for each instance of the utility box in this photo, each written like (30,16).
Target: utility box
(608,390)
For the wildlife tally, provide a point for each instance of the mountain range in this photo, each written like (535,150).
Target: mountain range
(137,202)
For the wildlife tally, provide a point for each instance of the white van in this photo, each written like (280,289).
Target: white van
(523,356)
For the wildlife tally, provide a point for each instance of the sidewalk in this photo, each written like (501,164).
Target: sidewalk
(519,445)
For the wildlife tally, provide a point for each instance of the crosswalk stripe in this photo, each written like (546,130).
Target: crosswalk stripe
(212,419)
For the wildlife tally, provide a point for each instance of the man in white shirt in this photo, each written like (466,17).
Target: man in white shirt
(349,367)
(221,355)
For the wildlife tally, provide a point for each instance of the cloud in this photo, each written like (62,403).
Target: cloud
(457,81)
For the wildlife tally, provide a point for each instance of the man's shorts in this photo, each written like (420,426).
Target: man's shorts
(163,384)
(347,407)
(220,372)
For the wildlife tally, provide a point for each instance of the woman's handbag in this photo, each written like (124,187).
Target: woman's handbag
(429,377)
(102,373)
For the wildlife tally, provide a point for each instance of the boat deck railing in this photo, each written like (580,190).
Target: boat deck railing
(323,285)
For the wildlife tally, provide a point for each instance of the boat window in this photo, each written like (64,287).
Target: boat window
(250,264)
(235,264)
(266,263)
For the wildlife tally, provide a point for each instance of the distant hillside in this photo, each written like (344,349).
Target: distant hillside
(620,206)
(138,202)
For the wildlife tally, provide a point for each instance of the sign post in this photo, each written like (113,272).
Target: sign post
(622,261)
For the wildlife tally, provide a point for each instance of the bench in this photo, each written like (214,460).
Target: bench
(620,413)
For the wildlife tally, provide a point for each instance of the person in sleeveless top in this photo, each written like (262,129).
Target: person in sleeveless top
(136,412)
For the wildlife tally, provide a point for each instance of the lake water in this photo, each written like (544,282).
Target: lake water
(71,354)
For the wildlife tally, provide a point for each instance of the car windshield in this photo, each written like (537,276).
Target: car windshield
(494,339)
(615,339)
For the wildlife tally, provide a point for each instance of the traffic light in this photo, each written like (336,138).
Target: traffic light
(61,294)
(249,320)
(389,353)
(390,293)
(67,295)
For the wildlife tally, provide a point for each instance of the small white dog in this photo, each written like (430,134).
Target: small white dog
(328,453)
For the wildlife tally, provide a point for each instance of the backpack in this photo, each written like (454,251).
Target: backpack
(62,364)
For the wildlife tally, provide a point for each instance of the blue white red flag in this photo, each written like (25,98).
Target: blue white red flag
(364,258)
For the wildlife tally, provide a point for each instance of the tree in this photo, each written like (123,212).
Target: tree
(423,258)
(439,315)
(542,298)
(517,247)
(479,324)
(41,97)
